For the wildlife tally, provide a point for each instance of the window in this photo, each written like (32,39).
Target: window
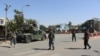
(1,21)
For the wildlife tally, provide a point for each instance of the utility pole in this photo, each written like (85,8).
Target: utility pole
(22,9)
(6,10)
(22,13)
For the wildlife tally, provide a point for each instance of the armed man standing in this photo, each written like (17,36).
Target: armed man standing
(73,36)
(51,37)
(86,39)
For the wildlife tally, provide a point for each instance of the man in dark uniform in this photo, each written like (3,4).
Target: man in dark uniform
(86,38)
(73,36)
(51,37)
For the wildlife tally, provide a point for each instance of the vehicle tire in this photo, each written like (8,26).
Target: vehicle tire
(18,40)
(28,39)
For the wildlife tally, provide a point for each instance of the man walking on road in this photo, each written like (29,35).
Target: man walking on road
(13,38)
(51,37)
(86,38)
(73,36)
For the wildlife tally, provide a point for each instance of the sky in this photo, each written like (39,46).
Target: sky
(52,12)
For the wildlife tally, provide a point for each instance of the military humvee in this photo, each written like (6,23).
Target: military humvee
(27,35)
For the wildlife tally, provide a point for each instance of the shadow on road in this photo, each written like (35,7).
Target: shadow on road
(66,41)
(85,55)
(25,42)
(98,52)
(74,48)
(5,46)
(40,48)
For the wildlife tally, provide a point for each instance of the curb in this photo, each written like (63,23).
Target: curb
(4,43)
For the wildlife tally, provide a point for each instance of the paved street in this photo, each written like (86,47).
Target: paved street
(63,47)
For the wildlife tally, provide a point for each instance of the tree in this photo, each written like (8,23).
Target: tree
(11,25)
(85,24)
(95,24)
(52,27)
(31,21)
(42,27)
(18,18)
(58,26)
(70,24)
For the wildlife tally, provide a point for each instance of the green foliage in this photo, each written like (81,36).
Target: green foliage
(11,26)
(17,22)
(42,27)
(70,23)
(96,23)
(58,26)
(85,24)
(31,21)
(18,18)
(52,27)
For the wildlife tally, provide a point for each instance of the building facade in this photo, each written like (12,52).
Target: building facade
(2,28)
(63,27)
(2,21)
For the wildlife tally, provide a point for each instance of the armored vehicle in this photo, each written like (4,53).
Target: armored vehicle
(29,34)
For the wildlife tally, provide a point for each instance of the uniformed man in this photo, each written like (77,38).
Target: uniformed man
(51,37)
(73,36)
(86,38)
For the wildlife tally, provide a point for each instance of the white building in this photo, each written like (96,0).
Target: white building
(2,28)
(64,27)
(2,21)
